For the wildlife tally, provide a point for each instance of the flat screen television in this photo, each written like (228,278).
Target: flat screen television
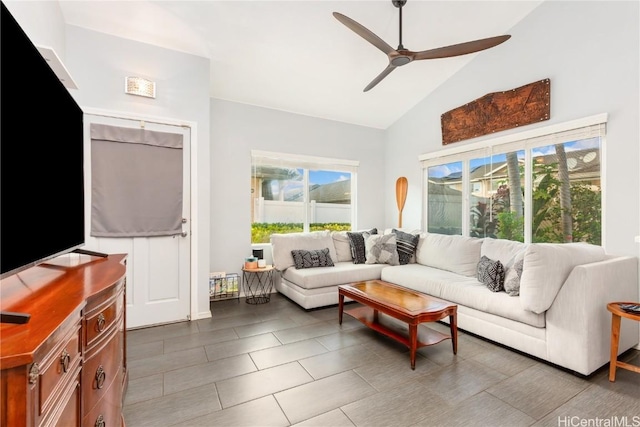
(41,157)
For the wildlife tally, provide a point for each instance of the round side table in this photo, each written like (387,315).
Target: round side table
(258,284)
(616,314)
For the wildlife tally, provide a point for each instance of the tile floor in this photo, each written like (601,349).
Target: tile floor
(276,364)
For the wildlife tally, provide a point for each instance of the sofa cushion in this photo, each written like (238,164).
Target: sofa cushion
(356,240)
(491,273)
(313,258)
(343,246)
(283,244)
(406,243)
(341,273)
(458,254)
(381,249)
(502,250)
(462,290)
(547,266)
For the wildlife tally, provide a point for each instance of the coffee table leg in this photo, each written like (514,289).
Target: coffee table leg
(453,325)
(615,339)
(340,308)
(413,344)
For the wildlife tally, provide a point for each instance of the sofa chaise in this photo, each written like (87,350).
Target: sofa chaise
(556,311)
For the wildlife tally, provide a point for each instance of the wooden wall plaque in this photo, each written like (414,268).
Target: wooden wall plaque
(498,111)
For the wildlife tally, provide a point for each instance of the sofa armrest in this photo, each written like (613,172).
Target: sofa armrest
(578,322)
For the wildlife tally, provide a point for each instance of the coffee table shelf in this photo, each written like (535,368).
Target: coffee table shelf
(395,329)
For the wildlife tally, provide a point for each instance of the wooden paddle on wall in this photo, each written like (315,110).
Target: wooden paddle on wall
(401,196)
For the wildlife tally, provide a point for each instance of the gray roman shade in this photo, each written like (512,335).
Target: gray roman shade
(136,182)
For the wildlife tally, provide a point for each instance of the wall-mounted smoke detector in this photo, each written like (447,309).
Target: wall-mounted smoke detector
(57,66)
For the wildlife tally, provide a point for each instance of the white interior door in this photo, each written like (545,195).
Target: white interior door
(158,268)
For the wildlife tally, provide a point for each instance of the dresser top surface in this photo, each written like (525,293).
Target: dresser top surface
(52,293)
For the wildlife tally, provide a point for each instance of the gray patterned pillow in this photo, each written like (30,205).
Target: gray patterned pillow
(381,249)
(356,241)
(406,243)
(312,258)
(512,279)
(491,273)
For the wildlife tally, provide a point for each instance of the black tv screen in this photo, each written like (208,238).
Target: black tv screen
(41,157)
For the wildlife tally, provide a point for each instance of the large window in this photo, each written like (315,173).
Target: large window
(541,186)
(291,193)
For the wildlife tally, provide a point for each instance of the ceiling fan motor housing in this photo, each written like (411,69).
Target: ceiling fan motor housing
(400,60)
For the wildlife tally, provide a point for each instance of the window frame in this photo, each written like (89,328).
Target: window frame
(308,163)
(528,140)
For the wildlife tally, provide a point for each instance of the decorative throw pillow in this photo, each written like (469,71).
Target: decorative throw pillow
(512,278)
(312,258)
(381,249)
(491,273)
(356,241)
(406,243)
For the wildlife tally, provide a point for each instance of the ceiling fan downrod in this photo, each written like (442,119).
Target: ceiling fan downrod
(399,4)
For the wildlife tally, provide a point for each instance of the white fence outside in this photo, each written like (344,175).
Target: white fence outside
(270,211)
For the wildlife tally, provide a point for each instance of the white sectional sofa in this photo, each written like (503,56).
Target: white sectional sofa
(559,316)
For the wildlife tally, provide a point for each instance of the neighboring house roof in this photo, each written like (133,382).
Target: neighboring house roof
(333,192)
(436,187)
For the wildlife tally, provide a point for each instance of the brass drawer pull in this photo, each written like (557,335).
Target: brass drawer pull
(65,359)
(100,377)
(100,421)
(101,322)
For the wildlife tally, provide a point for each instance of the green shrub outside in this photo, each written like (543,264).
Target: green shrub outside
(261,231)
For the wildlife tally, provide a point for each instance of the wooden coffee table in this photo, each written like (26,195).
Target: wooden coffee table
(407,306)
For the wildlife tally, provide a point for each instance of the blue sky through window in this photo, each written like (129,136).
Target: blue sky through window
(325,177)
(456,167)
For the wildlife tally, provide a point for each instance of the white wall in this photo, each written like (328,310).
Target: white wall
(236,129)
(589,50)
(43,23)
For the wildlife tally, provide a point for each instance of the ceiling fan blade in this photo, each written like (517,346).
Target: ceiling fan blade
(461,49)
(364,33)
(381,76)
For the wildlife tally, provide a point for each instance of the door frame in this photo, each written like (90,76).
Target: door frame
(193,187)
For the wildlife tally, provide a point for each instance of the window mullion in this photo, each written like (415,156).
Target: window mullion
(466,197)
(528,195)
(305,201)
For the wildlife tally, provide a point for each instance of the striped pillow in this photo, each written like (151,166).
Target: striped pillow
(406,243)
(356,241)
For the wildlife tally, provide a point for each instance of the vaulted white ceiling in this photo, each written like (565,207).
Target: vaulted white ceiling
(295,56)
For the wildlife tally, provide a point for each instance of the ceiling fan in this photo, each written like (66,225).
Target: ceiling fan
(401,56)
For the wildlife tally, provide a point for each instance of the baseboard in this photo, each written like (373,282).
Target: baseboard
(203,315)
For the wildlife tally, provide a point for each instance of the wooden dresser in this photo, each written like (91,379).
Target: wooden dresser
(67,365)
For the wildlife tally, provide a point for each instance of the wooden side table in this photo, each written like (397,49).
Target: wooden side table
(258,284)
(616,314)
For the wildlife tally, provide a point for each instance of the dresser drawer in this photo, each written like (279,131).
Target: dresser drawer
(101,368)
(67,413)
(58,368)
(108,411)
(103,315)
